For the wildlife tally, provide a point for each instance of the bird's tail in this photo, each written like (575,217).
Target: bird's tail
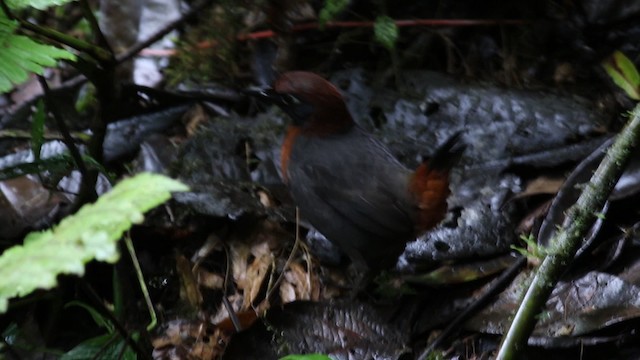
(429,184)
(448,153)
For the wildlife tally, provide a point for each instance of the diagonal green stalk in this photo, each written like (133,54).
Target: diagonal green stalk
(95,28)
(143,286)
(96,52)
(564,245)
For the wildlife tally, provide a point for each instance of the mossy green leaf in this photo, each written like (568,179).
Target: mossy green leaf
(91,233)
(623,73)
(386,31)
(330,9)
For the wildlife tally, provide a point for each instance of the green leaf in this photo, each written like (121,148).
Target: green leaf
(100,320)
(331,9)
(623,73)
(58,165)
(306,357)
(386,32)
(91,233)
(533,250)
(107,346)
(86,99)
(37,130)
(38,4)
(55,164)
(21,55)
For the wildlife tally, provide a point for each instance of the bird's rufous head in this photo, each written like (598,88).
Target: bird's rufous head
(313,103)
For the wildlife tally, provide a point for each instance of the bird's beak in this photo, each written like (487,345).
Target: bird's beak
(267,95)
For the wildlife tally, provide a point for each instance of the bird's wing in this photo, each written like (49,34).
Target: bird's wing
(362,201)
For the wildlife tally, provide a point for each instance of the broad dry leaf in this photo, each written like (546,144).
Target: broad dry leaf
(184,339)
(296,284)
(209,280)
(240,253)
(542,185)
(189,290)
(256,273)
(194,118)
(287,292)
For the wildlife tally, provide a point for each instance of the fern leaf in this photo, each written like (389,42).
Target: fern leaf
(21,55)
(91,233)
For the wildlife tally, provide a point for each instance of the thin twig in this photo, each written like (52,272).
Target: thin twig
(66,135)
(237,325)
(292,254)
(235,321)
(135,49)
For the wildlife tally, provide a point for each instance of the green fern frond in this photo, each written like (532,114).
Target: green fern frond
(21,55)
(92,233)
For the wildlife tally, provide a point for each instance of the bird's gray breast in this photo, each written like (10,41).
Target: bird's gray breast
(353,191)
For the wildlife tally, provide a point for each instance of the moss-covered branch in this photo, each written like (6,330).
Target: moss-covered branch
(96,52)
(564,245)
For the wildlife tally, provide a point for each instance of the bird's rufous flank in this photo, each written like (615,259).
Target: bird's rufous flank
(347,184)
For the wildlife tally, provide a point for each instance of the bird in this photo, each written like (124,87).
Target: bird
(346,183)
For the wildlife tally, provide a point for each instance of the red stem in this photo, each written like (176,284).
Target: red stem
(265,34)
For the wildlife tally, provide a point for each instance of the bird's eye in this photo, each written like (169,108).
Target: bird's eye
(289,99)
